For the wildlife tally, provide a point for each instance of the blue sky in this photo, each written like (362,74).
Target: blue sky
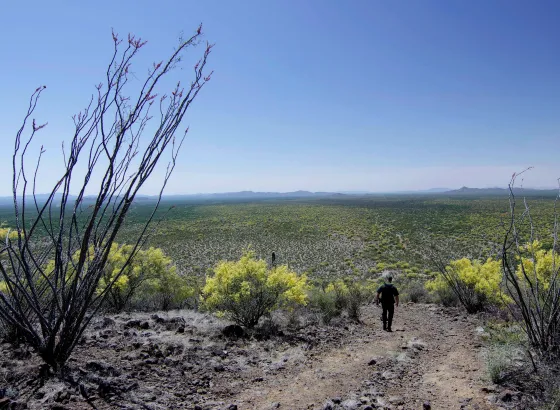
(316,95)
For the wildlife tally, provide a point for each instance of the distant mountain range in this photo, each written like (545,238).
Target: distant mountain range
(465,191)
(251,195)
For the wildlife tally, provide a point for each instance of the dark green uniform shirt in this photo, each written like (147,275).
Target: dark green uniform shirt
(388,292)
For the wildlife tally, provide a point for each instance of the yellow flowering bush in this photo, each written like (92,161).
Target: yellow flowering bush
(7,232)
(150,275)
(539,264)
(476,284)
(246,290)
(150,278)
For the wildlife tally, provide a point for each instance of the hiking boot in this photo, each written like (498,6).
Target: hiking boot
(389,329)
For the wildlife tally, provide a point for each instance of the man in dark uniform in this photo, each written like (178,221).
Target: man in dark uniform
(388,295)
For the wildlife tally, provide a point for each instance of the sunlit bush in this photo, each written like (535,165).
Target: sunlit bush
(246,290)
(7,232)
(477,285)
(149,280)
(539,264)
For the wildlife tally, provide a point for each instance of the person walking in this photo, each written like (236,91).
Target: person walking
(388,295)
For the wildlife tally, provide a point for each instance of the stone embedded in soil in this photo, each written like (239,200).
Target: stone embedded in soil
(350,404)
(157,319)
(329,405)
(388,375)
(132,323)
(397,400)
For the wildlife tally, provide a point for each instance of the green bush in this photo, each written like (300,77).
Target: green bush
(150,277)
(499,362)
(415,292)
(444,296)
(149,280)
(246,290)
(341,295)
(357,297)
(325,304)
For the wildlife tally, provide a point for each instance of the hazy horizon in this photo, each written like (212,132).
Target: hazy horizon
(336,191)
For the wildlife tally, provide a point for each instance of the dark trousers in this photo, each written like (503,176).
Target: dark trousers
(387,317)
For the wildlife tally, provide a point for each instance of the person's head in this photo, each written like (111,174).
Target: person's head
(389,279)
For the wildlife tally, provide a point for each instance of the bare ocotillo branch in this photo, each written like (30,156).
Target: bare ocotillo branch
(53,269)
(537,299)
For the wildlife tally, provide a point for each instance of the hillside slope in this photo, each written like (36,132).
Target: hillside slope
(181,360)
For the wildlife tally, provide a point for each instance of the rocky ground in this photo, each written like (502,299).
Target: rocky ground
(182,360)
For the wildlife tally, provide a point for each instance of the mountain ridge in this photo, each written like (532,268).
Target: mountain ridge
(463,191)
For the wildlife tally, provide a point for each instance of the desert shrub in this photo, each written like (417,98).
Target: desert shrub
(538,265)
(533,278)
(325,304)
(505,355)
(441,292)
(477,285)
(246,290)
(499,362)
(6,232)
(341,295)
(415,292)
(149,280)
(357,297)
(164,291)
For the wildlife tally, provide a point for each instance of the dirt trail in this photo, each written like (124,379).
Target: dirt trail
(181,360)
(431,356)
